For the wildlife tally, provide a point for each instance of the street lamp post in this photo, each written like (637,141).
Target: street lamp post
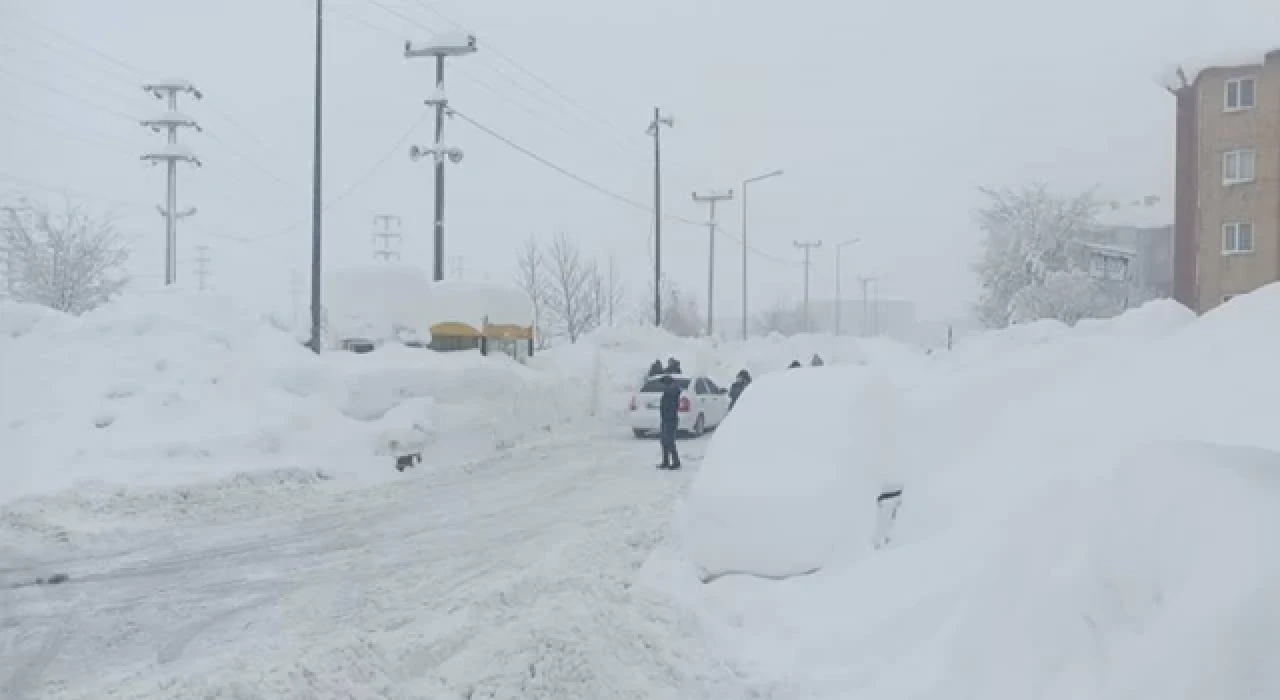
(839,247)
(746,182)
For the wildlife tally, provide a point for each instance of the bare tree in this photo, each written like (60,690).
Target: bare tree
(570,302)
(66,260)
(680,314)
(532,278)
(615,292)
(782,318)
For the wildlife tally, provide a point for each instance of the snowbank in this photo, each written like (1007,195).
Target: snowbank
(1085,515)
(174,388)
(792,476)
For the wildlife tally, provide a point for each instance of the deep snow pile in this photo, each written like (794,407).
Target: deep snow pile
(1085,515)
(174,388)
(781,493)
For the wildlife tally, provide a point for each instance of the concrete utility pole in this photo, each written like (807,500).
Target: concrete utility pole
(839,311)
(867,323)
(386,242)
(746,182)
(711,198)
(808,247)
(655,130)
(439,47)
(173,153)
(202,265)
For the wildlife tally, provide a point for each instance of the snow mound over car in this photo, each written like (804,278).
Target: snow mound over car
(791,478)
(1085,515)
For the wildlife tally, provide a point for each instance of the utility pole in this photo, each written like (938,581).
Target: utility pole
(655,130)
(839,311)
(808,247)
(202,265)
(746,182)
(441,46)
(317,188)
(386,243)
(867,323)
(172,154)
(711,198)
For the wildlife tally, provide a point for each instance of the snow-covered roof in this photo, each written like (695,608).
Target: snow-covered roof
(1191,69)
(380,301)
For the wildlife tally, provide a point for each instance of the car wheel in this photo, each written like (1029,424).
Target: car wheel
(700,425)
(637,432)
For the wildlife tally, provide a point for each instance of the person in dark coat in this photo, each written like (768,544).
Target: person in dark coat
(656,368)
(794,364)
(669,412)
(673,366)
(816,361)
(740,384)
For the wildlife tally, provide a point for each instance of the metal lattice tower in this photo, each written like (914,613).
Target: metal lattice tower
(172,154)
(386,241)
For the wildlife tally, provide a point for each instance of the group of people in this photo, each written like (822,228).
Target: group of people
(815,361)
(669,406)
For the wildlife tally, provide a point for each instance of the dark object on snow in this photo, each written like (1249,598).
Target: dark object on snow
(794,364)
(673,366)
(739,385)
(669,413)
(403,462)
(888,494)
(816,361)
(656,368)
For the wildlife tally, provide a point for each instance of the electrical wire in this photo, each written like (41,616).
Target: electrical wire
(604,190)
(351,187)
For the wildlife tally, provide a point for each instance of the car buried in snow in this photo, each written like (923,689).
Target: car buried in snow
(703,405)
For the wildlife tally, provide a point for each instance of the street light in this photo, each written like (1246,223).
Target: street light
(748,181)
(840,246)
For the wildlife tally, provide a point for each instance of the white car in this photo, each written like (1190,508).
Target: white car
(703,405)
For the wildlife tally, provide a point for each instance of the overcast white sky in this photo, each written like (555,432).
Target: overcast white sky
(885,116)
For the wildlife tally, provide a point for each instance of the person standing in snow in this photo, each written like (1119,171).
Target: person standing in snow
(656,368)
(740,383)
(816,361)
(673,366)
(669,413)
(794,364)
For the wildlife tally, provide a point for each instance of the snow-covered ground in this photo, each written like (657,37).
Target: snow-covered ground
(1086,512)
(507,578)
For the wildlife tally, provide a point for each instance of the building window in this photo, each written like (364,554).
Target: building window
(1237,166)
(1237,237)
(1240,94)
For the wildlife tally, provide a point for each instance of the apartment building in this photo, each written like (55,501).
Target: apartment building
(1227,181)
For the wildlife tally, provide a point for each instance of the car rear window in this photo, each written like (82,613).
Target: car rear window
(655,386)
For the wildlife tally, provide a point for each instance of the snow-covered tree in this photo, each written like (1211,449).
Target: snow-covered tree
(1033,264)
(569,294)
(67,260)
(533,279)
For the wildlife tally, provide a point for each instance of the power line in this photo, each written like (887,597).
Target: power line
(349,189)
(134,70)
(35,184)
(604,190)
(490,48)
(70,95)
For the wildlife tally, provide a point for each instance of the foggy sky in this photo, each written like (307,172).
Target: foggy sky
(885,116)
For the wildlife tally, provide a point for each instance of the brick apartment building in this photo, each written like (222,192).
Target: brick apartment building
(1227,182)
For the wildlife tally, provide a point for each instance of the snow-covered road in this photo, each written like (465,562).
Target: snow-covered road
(506,578)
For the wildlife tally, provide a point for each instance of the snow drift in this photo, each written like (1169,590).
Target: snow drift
(792,477)
(1085,515)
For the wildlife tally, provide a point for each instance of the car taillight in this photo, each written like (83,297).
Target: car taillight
(633,402)
(685,405)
